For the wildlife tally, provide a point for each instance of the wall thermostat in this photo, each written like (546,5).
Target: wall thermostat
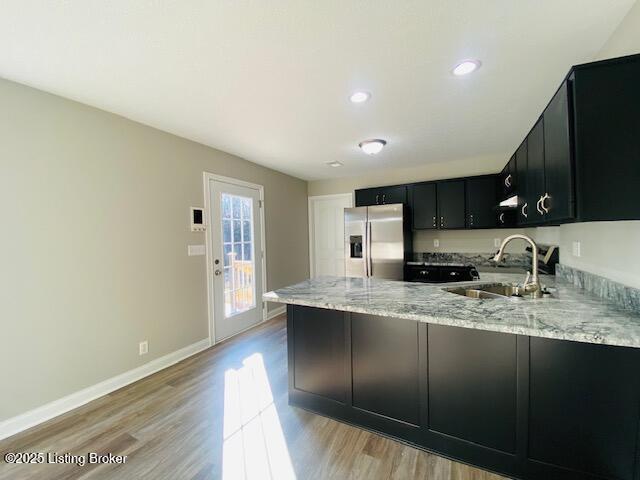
(197,220)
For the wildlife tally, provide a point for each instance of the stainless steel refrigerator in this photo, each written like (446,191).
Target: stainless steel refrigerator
(377,241)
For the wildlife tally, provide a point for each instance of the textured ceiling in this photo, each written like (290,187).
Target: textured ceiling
(269,80)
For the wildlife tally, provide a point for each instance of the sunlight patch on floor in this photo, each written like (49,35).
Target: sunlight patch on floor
(254,446)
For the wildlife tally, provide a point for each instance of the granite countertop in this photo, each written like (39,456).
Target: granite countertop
(571,314)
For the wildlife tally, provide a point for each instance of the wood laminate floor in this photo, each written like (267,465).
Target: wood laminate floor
(221,414)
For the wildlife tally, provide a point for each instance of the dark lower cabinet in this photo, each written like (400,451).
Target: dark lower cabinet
(384,351)
(525,407)
(472,385)
(318,347)
(583,408)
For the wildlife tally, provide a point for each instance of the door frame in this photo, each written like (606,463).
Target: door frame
(206,179)
(312,220)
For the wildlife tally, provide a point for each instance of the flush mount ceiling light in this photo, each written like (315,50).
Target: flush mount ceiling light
(373,146)
(466,67)
(359,97)
(334,164)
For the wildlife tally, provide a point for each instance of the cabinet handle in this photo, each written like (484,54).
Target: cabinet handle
(538,206)
(383,198)
(542,200)
(524,210)
(471,220)
(377,199)
(441,221)
(435,221)
(507,181)
(501,218)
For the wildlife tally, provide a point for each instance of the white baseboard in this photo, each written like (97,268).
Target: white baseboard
(275,312)
(50,410)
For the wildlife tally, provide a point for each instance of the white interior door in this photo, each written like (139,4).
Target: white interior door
(236,254)
(326,233)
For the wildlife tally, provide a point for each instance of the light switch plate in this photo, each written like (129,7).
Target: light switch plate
(497,242)
(143,348)
(436,242)
(195,250)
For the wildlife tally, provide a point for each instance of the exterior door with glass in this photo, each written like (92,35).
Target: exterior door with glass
(236,252)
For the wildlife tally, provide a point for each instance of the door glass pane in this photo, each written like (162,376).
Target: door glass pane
(239,265)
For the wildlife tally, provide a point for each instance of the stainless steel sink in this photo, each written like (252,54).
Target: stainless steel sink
(495,290)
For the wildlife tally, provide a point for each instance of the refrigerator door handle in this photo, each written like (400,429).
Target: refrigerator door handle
(369,263)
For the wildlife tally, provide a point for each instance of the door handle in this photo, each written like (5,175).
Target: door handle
(524,210)
(542,205)
(369,261)
(217,272)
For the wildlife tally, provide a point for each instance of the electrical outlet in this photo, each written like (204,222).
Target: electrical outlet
(143,348)
(497,242)
(576,249)
(436,242)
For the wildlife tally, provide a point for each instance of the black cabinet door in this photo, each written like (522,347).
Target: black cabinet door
(583,408)
(535,174)
(558,201)
(481,202)
(451,204)
(423,203)
(318,351)
(508,178)
(397,194)
(367,196)
(607,143)
(472,385)
(521,181)
(384,356)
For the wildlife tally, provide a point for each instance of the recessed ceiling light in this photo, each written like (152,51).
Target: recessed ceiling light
(334,164)
(373,146)
(466,67)
(359,97)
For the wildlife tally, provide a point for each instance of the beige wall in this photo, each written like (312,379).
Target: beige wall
(93,247)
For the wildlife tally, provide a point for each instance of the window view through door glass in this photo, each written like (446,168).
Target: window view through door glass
(238,251)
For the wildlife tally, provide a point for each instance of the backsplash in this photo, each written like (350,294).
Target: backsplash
(511,260)
(626,297)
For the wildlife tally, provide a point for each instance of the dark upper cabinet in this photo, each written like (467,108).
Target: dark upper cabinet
(481,201)
(521,181)
(367,196)
(381,195)
(557,201)
(451,204)
(606,123)
(535,176)
(508,178)
(424,207)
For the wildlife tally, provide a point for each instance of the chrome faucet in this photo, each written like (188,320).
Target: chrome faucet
(531,284)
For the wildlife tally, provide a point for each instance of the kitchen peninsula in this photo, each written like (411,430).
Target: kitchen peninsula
(544,388)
